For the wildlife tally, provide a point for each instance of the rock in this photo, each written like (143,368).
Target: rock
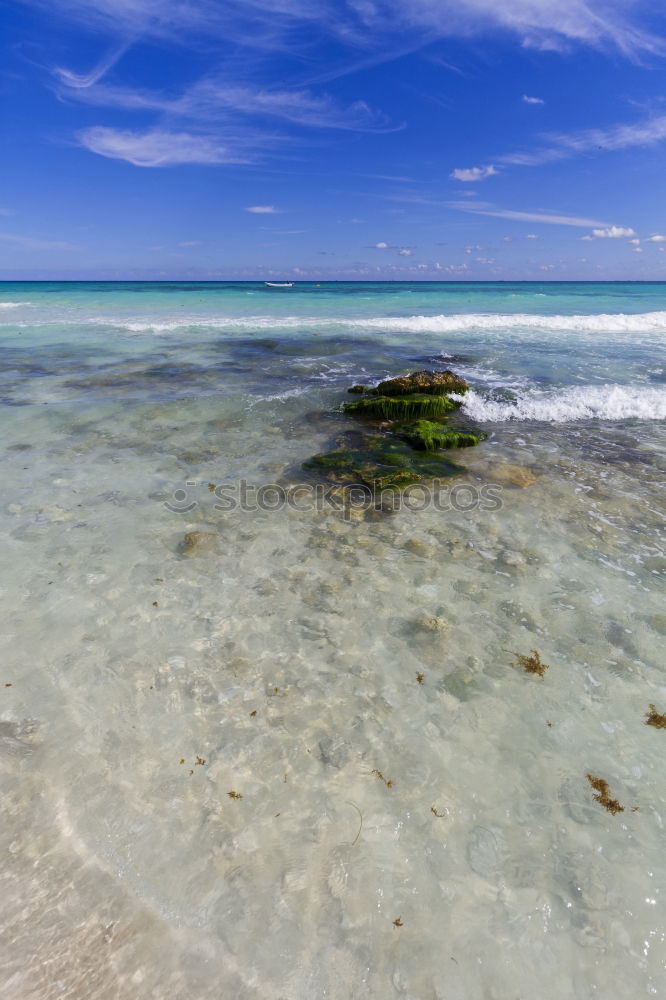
(434,624)
(412,410)
(657,622)
(196,543)
(511,558)
(358,388)
(334,750)
(435,383)
(512,475)
(420,548)
(406,407)
(426,435)
(380,463)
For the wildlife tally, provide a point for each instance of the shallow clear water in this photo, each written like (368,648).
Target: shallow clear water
(127,873)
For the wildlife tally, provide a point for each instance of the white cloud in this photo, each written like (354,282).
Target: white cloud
(532,100)
(550,218)
(657,238)
(30,243)
(263,210)
(531,236)
(637,249)
(157,147)
(473,174)
(385,28)
(190,243)
(635,242)
(612,233)
(405,253)
(381,246)
(560,146)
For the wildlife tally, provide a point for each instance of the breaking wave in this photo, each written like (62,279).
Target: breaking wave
(602,322)
(651,322)
(603,402)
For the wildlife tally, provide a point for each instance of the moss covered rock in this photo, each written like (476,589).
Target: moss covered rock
(381,463)
(431,383)
(412,407)
(427,435)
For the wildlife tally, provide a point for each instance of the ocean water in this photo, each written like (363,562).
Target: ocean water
(410,815)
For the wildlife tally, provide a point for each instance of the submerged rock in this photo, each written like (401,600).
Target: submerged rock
(380,462)
(514,475)
(195,543)
(432,625)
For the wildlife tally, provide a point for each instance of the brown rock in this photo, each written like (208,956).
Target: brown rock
(435,383)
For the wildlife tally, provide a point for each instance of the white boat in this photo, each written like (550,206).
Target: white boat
(279,284)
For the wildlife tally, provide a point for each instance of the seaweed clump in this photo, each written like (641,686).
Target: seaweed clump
(603,795)
(655,718)
(531,664)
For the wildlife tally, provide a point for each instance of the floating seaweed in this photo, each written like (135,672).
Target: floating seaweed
(378,774)
(602,789)
(234,795)
(530,664)
(420,678)
(435,812)
(200,760)
(654,718)
(398,922)
(252,714)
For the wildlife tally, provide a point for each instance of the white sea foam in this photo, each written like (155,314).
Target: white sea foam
(442,323)
(601,402)
(13,305)
(602,322)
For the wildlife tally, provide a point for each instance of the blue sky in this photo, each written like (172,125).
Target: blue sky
(361,139)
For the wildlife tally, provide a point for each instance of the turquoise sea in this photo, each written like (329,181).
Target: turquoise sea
(268,751)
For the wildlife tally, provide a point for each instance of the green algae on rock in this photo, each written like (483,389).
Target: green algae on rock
(427,435)
(411,407)
(412,410)
(380,462)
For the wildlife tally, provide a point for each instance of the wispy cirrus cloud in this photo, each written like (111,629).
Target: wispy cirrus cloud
(158,147)
(31,243)
(532,100)
(562,146)
(212,99)
(548,217)
(225,124)
(262,210)
(270,24)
